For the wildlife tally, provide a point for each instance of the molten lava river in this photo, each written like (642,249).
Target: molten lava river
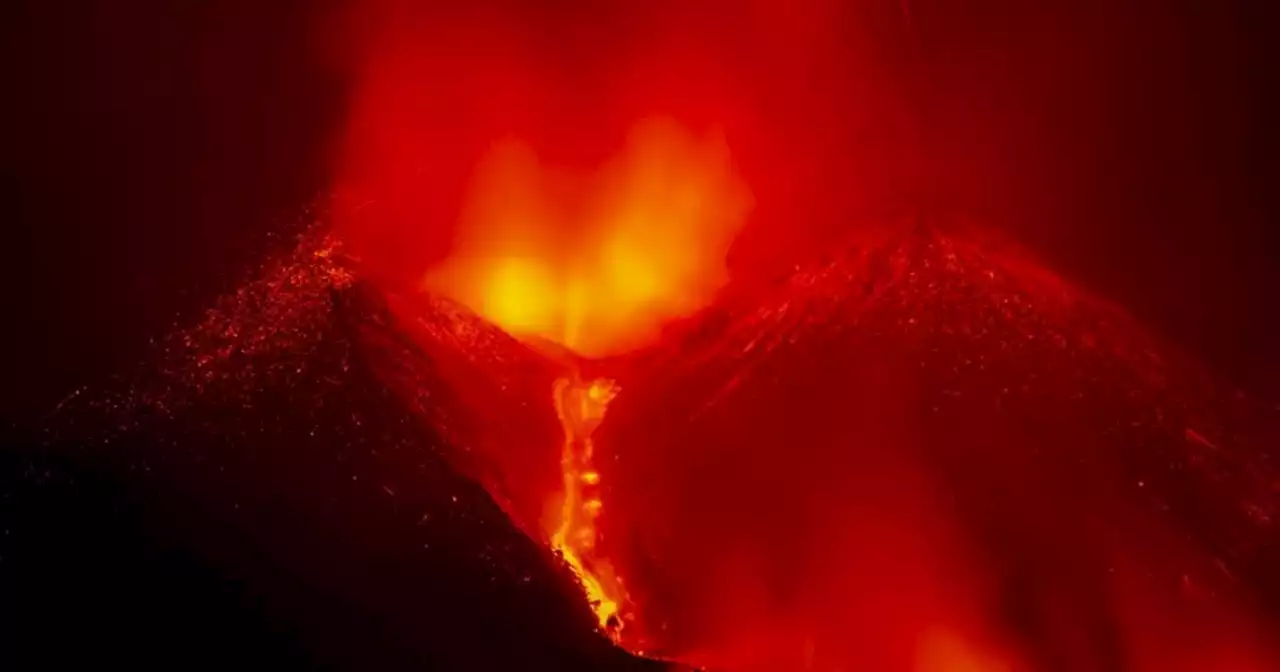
(923,452)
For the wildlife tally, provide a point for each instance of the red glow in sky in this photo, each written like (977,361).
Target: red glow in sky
(799,94)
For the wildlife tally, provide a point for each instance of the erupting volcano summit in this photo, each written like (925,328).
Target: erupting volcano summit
(924,451)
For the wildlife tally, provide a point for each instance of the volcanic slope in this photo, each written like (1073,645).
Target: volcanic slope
(926,447)
(256,493)
(925,440)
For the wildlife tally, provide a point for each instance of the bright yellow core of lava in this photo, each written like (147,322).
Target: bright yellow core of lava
(580,407)
(596,260)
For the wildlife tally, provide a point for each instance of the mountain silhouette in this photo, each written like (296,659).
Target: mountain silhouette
(924,430)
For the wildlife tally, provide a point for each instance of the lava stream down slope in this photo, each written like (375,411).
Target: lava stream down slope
(922,453)
(926,440)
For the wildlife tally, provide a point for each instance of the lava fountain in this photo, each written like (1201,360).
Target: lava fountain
(597,261)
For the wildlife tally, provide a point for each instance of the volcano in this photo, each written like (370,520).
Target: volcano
(922,452)
(927,432)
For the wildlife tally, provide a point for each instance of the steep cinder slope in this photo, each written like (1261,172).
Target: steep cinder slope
(257,494)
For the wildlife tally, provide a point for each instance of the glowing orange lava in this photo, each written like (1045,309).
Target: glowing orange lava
(580,407)
(597,262)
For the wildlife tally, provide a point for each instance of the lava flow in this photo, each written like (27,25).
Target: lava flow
(581,406)
(594,268)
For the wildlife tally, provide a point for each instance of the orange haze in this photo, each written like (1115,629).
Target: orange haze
(561,110)
(598,260)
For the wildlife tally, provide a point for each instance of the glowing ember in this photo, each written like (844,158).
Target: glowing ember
(581,407)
